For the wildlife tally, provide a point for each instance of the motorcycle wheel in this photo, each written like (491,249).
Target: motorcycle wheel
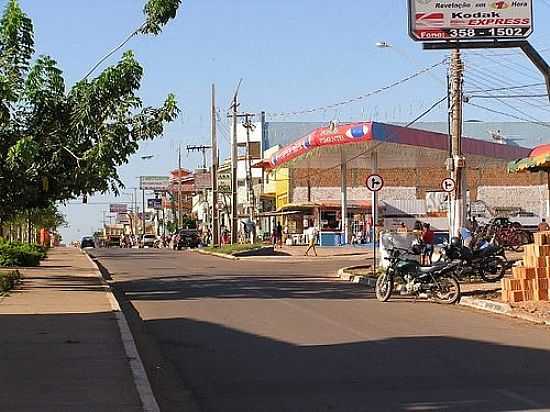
(384,287)
(448,291)
(493,269)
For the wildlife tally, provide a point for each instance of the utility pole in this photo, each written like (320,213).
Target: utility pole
(234,159)
(457,162)
(179,220)
(143,204)
(202,149)
(214,173)
(249,126)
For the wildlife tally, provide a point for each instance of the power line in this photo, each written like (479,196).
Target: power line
(526,86)
(364,96)
(513,116)
(517,68)
(507,96)
(425,113)
(485,81)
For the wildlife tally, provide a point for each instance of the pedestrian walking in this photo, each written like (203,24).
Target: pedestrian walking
(543,226)
(313,235)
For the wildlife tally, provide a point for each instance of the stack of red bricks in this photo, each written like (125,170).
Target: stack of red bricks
(531,280)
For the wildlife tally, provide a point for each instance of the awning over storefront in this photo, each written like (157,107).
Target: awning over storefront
(396,147)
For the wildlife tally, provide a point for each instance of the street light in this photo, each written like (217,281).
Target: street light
(387,45)
(383,44)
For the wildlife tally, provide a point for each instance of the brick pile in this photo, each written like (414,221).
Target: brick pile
(530,281)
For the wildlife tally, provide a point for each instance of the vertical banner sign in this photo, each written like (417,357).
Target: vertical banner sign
(432,20)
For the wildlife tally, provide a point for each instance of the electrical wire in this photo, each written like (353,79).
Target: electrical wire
(425,113)
(507,96)
(515,67)
(499,89)
(513,116)
(478,79)
(364,96)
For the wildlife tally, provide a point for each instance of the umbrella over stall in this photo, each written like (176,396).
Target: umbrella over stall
(537,161)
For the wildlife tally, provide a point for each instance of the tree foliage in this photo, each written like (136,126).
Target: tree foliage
(59,142)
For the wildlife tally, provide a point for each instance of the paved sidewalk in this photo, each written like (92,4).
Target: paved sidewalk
(60,344)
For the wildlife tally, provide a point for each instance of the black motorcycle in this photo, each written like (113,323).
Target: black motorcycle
(488,260)
(406,276)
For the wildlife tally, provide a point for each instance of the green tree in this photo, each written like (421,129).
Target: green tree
(59,142)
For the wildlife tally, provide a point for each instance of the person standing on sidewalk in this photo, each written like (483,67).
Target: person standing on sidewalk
(313,234)
(279,234)
(427,244)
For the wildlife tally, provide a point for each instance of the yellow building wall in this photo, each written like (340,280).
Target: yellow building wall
(282,187)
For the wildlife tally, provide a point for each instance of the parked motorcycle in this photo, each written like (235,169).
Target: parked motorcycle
(406,276)
(486,259)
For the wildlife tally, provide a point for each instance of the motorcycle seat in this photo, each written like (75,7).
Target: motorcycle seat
(431,269)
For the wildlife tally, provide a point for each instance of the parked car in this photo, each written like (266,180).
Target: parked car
(148,241)
(527,220)
(87,241)
(187,238)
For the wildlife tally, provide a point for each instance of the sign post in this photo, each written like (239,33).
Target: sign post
(449,186)
(374,183)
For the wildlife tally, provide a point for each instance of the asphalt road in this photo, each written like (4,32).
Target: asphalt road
(285,335)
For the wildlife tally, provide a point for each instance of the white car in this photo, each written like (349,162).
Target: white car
(148,240)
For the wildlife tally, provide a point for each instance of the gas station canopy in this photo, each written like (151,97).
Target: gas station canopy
(395,147)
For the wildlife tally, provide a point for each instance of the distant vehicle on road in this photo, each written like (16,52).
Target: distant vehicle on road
(187,238)
(148,241)
(87,241)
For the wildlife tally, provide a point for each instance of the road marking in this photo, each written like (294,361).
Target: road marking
(143,386)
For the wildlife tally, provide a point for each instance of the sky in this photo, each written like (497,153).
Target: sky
(291,55)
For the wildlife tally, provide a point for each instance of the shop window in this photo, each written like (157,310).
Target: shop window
(329,220)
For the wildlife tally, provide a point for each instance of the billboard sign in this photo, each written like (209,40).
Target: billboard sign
(156,183)
(203,181)
(154,204)
(118,208)
(433,20)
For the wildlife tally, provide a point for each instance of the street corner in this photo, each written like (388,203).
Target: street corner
(360,274)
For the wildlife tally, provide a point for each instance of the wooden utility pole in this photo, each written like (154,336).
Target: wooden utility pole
(179,220)
(249,126)
(234,159)
(457,162)
(214,173)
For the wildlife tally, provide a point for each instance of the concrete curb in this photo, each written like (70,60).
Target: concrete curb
(143,386)
(221,255)
(500,309)
(358,279)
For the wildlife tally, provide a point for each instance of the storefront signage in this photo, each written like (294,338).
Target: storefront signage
(433,20)
(118,208)
(154,204)
(326,136)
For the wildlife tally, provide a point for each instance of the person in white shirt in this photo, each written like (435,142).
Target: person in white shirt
(313,234)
